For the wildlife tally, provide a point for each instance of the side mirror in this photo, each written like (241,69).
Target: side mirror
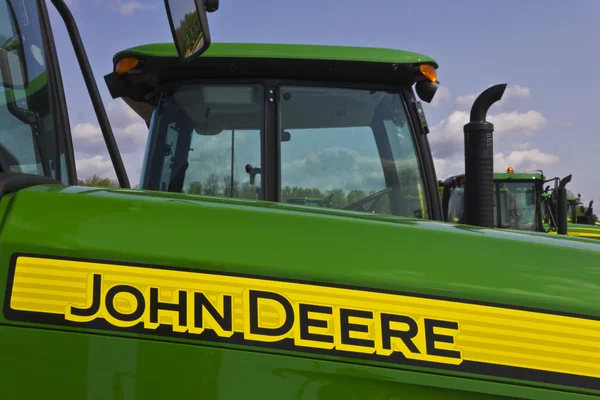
(189,25)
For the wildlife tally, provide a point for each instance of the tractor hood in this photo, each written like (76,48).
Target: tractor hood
(291,241)
(127,264)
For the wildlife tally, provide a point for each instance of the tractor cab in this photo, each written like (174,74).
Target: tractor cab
(517,200)
(324,126)
(578,213)
(573,204)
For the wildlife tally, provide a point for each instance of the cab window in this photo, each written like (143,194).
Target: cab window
(518,205)
(339,148)
(349,149)
(456,204)
(28,139)
(204,138)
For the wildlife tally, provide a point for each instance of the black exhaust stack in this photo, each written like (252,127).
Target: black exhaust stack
(561,195)
(479,160)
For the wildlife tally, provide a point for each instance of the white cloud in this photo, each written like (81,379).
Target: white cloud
(90,149)
(334,167)
(445,168)
(98,165)
(517,123)
(127,8)
(102,166)
(511,92)
(87,138)
(443,93)
(524,158)
(129,129)
(447,136)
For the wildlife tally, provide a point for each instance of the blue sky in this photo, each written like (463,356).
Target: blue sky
(546,51)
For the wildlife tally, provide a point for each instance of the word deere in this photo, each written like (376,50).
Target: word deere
(268,316)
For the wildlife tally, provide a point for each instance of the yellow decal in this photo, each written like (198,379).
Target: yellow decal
(579,234)
(384,327)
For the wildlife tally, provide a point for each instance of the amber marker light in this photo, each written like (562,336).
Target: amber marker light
(126,64)
(429,72)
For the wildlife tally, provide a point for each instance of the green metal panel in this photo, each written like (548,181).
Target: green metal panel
(79,367)
(272,240)
(293,51)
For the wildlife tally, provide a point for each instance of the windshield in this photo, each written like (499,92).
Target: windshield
(571,210)
(28,142)
(456,204)
(518,205)
(338,148)
(547,212)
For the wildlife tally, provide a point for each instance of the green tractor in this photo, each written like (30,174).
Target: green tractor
(578,213)
(524,204)
(518,202)
(580,221)
(232,291)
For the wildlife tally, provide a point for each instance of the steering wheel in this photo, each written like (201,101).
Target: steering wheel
(358,205)
(515,217)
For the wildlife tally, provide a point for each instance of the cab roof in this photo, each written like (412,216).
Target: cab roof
(503,176)
(157,66)
(286,51)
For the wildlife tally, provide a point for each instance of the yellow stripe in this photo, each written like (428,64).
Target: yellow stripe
(584,234)
(486,334)
(579,234)
(421,200)
(577,228)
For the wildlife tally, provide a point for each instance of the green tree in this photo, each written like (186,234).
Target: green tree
(297,192)
(211,187)
(187,30)
(338,198)
(97,181)
(194,187)
(355,195)
(228,190)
